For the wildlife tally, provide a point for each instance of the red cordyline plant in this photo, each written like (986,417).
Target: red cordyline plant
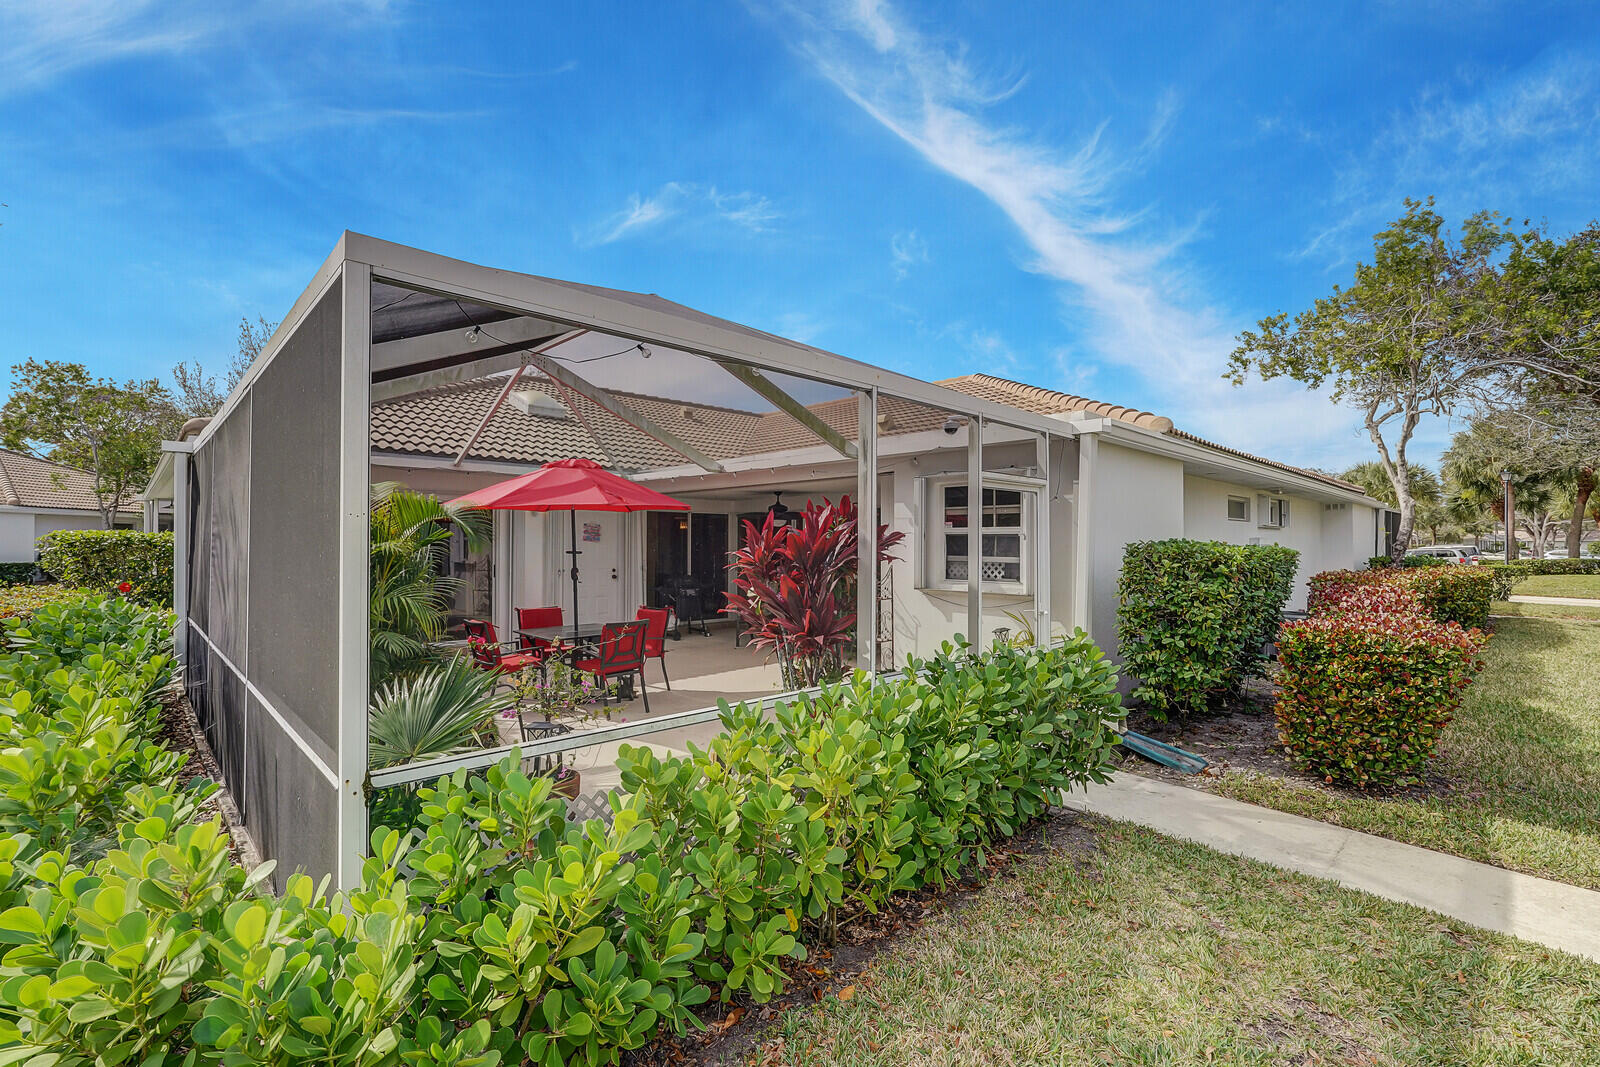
(795,588)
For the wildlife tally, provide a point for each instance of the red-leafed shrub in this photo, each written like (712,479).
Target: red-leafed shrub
(1340,593)
(1363,696)
(1455,594)
(795,589)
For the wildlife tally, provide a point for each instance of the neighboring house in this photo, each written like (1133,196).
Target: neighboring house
(38,497)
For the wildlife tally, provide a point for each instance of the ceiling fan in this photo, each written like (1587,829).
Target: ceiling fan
(778,511)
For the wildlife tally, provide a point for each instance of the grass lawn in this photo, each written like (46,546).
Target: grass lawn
(1147,950)
(1584,585)
(1547,611)
(1522,762)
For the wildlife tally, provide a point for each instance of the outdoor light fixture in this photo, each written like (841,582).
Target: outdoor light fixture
(644,350)
(952,424)
(472,335)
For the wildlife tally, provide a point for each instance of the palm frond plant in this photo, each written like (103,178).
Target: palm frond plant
(410,596)
(443,708)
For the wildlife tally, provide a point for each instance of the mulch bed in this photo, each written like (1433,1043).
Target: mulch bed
(742,1032)
(180,732)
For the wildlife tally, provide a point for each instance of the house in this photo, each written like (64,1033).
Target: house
(400,365)
(1155,481)
(39,497)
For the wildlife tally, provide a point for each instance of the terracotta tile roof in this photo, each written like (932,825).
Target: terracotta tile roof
(28,482)
(437,422)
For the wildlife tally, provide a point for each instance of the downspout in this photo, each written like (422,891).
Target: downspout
(1083,529)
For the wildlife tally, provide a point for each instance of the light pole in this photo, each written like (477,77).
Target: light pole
(1506,506)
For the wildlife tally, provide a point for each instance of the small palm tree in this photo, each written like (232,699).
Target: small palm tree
(444,708)
(410,532)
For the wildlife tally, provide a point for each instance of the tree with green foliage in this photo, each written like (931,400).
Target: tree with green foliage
(1432,514)
(1398,343)
(58,411)
(1541,490)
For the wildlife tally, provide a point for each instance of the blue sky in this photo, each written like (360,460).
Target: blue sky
(1088,197)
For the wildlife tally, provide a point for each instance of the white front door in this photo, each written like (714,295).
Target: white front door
(600,578)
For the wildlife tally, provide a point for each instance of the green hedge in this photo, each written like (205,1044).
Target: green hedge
(17,573)
(1195,616)
(502,934)
(121,562)
(1378,563)
(1507,575)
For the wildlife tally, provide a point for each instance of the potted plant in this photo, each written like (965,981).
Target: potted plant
(550,700)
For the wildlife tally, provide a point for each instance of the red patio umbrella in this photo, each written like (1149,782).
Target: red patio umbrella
(570,485)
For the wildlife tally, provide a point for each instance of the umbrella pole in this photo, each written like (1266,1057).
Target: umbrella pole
(574,553)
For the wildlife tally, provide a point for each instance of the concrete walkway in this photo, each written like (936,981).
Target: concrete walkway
(1565,601)
(1535,909)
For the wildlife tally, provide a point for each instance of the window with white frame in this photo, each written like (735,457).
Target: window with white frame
(1239,508)
(1005,524)
(1273,512)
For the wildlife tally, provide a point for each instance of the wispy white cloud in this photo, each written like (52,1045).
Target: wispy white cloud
(906,250)
(686,202)
(1124,285)
(42,41)
(1501,141)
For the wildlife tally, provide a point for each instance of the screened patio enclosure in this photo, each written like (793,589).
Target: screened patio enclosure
(448,375)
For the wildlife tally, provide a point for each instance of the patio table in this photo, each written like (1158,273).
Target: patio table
(579,643)
(589,631)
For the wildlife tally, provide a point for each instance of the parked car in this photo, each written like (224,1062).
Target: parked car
(1449,553)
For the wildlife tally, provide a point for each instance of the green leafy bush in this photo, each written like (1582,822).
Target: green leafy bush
(793,825)
(17,573)
(1363,697)
(1378,563)
(497,931)
(1369,682)
(125,562)
(1195,617)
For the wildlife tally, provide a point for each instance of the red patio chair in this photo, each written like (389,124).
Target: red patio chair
(621,652)
(655,637)
(488,651)
(537,619)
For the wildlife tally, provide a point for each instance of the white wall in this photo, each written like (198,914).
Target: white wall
(1137,497)
(21,528)
(1328,536)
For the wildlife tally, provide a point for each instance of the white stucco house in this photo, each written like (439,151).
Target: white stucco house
(39,497)
(1145,478)
(396,364)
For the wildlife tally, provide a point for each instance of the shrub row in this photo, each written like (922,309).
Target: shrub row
(500,933)
(1369,682)
(1454,593)
(1195,618)
(1378,563)
(114,562)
